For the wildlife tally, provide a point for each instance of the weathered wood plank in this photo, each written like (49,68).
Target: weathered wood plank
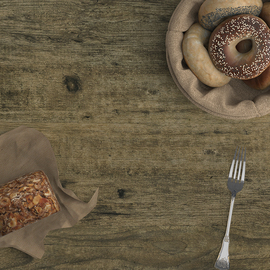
(92,76)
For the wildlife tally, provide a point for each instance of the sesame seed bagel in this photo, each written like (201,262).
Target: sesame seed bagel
(223,47)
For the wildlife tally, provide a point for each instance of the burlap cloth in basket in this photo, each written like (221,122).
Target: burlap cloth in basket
(234,100)
(25,150)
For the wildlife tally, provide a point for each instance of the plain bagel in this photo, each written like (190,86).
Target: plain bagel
(262,81)
(197,57)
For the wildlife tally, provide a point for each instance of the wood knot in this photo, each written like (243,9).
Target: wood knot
(121,193)
(73,83)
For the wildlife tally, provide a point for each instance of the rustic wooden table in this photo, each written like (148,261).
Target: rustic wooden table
(92,77)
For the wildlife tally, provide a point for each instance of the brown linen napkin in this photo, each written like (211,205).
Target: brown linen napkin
(25,150)
(234,100)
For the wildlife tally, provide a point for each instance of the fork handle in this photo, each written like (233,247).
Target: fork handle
(223,262)
(230,215)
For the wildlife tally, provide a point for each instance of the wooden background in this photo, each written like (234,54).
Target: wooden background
(92,76)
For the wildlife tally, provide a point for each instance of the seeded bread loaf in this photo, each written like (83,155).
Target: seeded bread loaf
(25,200)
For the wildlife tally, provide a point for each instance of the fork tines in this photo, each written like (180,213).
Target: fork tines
(235,163)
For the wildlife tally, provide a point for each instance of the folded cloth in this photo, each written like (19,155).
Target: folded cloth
(234,100)
(24,150)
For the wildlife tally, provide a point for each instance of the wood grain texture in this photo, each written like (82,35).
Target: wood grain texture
(92,77)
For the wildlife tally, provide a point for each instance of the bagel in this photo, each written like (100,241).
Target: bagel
(262,81)
(213,12)
(223,47)
(197,57)
(265,13)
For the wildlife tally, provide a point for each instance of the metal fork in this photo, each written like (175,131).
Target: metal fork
(234,185)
